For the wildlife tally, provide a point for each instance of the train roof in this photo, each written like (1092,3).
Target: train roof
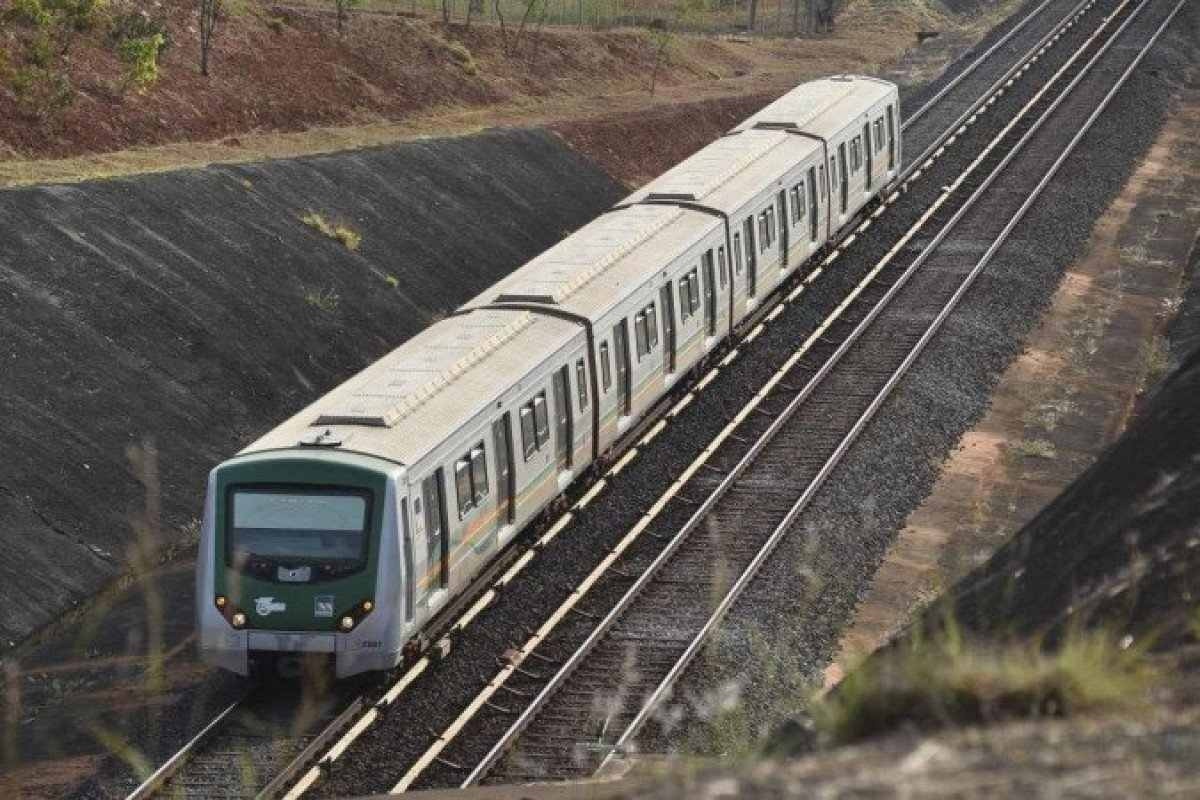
(822,107)
(399,408)
(731,171)
(598,265)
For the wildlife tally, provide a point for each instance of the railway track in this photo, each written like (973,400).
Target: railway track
(609,688)
(251,748)
(297,760)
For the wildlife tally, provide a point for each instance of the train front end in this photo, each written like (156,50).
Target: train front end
(300,558)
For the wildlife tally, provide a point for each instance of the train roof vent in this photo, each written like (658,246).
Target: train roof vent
(325,438)
(775,126)
(669,196)
(543,299)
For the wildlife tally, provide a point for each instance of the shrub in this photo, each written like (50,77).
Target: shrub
(138,25)
(140,57)
(42,92)
(463,57)
(947,681)
(322,299)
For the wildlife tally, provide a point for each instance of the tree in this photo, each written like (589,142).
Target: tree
(210,12)
(342,6)
(662,37)
(753,16)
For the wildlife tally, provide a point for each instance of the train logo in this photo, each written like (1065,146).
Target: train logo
(268,605)
(323,606)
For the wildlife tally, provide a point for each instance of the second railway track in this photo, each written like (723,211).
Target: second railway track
(1037,32)
(610,687)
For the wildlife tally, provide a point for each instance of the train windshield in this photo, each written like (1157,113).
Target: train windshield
(298,526)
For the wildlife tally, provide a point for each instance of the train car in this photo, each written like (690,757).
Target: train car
(350,527)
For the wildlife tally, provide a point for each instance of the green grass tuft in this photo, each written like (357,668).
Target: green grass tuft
(948,681)
(334,230)
(322,299)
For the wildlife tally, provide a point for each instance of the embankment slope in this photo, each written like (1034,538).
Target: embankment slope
(190,311)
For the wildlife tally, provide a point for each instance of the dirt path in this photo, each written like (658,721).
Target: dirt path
(1065,399)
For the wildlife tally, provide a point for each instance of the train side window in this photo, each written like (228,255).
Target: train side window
(541,419)
(462,485)
(641,338)
(528,431)
(479,472)
(762,232)
(737,253)
(581,384)
(693,292)
(605,367)
(651,326)
(722,266)
(833,170)
(685,298)
(771,223)
(821,180)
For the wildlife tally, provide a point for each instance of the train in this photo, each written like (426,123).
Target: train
(350,528)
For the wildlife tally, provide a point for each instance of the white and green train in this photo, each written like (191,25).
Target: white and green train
(346,529)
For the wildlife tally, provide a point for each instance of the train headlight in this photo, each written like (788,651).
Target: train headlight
(221,601)
(238,619)
(347,623)
(367,606)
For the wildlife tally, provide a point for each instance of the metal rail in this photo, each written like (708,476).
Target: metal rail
(606,625)
(168,770)
(314,772)
(660,692)
(931,102)
(1009,74)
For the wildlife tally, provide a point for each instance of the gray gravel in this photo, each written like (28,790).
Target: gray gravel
(381,755)
(803,599)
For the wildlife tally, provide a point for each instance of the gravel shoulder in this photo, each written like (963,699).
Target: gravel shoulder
(779,639)
(1101,343)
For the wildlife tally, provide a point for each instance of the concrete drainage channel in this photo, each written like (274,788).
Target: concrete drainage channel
(498,699)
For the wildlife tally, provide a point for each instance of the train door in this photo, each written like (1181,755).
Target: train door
(505,474)
(710,294)
(751,258)
(891,139)
(783,229)
(563,444)
(668,304)
(843,177)
(814,216)
(868,148)
(624,378)
(437,542)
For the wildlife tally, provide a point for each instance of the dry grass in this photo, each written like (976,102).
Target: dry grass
(322,299)
(1034,448)
(947,681)
(339,231)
